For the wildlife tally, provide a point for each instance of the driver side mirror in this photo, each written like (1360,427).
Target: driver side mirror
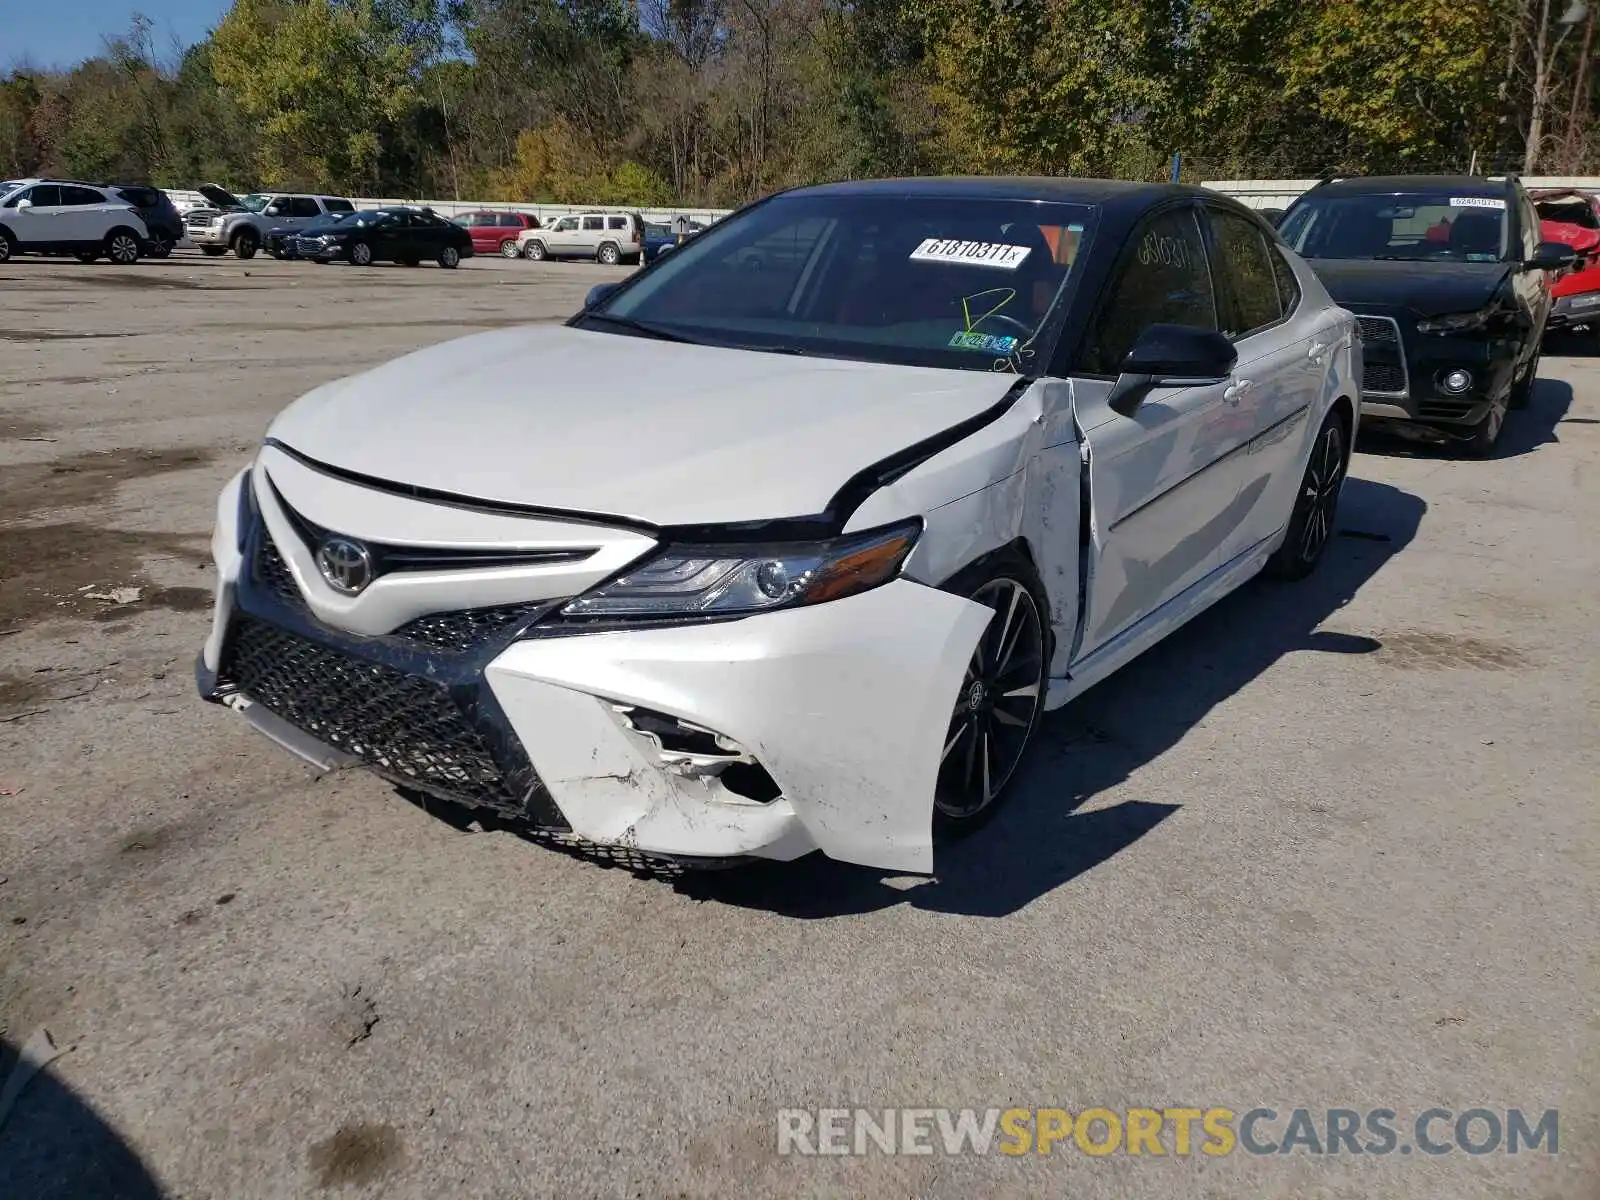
(24,203)
(1551,256)
(598,293)
(1170,356)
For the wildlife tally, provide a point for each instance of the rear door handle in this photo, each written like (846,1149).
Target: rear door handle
(1234,392)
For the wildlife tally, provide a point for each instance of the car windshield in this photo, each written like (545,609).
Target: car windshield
(930,281)
(1568,211)
(1416,226)
(254,202)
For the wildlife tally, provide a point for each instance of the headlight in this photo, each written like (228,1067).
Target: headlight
(729,580)
(1458,322)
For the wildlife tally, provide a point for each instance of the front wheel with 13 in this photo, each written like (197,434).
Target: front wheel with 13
(1000,700)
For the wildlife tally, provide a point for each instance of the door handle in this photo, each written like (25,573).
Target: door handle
(1234,392)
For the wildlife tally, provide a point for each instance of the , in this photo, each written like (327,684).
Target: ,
(261,220)
(801,568)
(161,217)
(47,216)
(496,232)
(407,236)
(1450,285)
(607,237)
(1573,218)
(663,238)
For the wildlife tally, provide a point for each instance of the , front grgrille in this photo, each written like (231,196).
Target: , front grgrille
(273,572)
(1445,410)
(387,557)
(1384,367)
(1383,378)
(462,630)
(1375,330)
(457,631)
(404,726)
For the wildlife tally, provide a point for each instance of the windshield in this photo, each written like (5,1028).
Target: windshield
(254,202)
(1573,211)
(1420,226)
(369,216)
(928,281)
